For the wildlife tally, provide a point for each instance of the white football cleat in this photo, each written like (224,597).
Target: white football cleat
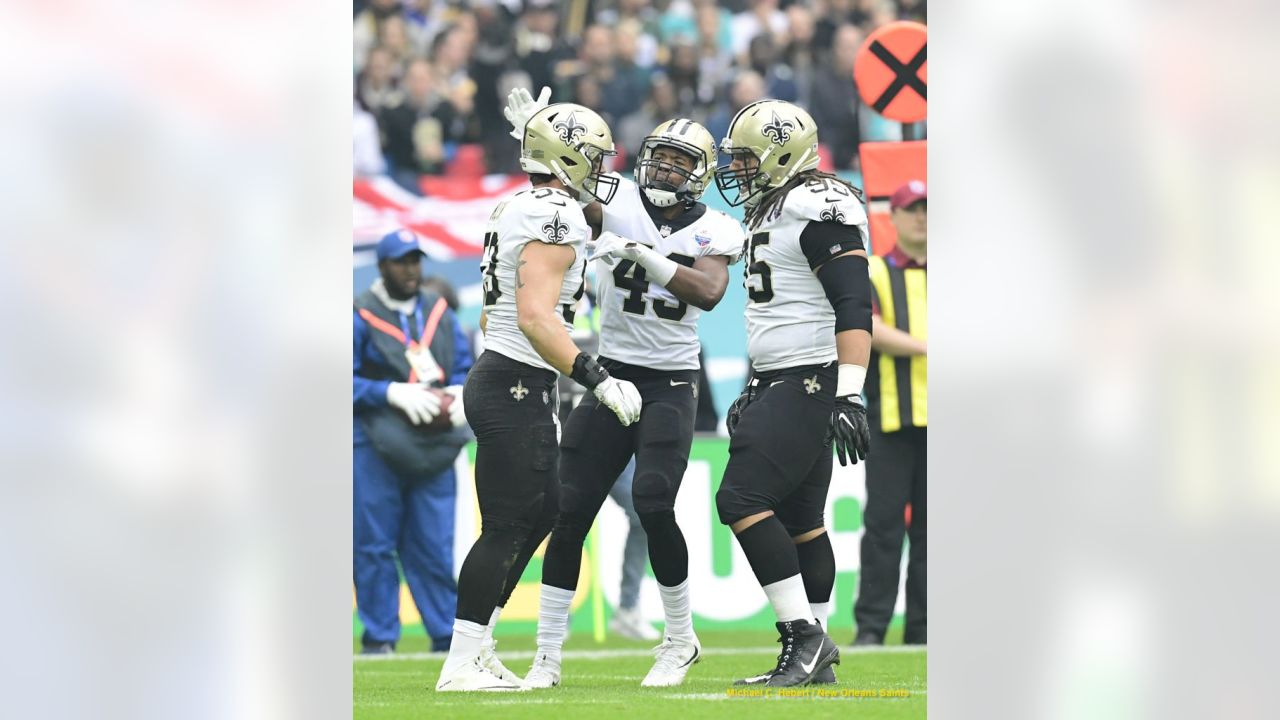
(545,673)
(628,623)
(489,660)
(474,677)
(674,658)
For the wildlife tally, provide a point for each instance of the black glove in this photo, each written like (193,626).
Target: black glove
(849,429)
(735,410)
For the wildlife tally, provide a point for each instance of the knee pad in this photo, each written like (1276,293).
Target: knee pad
(652,493)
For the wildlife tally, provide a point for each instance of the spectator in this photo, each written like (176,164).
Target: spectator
(747,88)
(539,50)
(837,13)
(676,23)
(685,72)
(366,159)
(450,54)
(368,24)
(377,85)
(623,86)
(660,107)
(762,17)
(412,129)
(393,36)
(836,105)
(800,53)
(779,81)
(897,392)
(407,343)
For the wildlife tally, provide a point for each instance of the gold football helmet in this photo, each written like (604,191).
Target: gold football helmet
(677,184)
(770,141)
(570,142)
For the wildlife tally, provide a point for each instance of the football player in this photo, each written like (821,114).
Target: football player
(808,340)
(665,260)
(533,270)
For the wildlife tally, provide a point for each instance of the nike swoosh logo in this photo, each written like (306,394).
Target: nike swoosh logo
(553,202)
(758,678)
(682,382)
(808,669)
(695,650)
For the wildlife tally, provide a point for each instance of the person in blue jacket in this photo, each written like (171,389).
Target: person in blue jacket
(411,357)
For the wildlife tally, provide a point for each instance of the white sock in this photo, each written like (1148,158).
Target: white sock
(821,611)
(493,622)
(677,609)
(553,620)
(465,647)
(788,599)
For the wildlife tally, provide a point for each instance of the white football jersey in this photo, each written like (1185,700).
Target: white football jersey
(536,215)
(642,323)
(789,319)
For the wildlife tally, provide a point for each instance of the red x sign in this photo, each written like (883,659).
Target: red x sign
(891,71)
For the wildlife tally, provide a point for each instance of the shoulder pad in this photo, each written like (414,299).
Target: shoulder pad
(825,201)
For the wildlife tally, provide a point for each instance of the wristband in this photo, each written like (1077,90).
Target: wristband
(587,372)
(849,380)
(660,269)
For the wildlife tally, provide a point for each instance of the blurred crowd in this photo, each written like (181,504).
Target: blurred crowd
(431,76)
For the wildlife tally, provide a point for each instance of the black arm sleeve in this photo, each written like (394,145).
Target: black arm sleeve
(847,285)
(821,241)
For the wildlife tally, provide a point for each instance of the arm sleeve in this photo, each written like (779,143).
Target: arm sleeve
(847,285)
(823,240)
(365,392)
(462,359)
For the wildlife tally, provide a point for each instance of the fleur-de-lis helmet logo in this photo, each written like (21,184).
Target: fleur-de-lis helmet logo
(832,214)
(778,130)
(570,129)
(555,230)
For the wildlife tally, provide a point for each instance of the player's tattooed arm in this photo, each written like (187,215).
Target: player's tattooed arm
(519,282)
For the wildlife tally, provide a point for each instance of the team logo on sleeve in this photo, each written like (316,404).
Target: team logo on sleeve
(569,129)
(702,239)
(555,230)
(778,130)
(832,214)
(519,390)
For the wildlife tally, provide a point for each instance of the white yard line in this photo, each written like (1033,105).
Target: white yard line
(642,652)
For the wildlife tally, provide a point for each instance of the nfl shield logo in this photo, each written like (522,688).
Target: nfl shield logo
(702,239)
(665,230)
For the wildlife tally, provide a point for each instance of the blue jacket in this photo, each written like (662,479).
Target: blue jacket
(372,372)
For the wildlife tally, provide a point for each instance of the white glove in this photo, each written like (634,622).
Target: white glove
(521,106)
(611,247)
(457,415)
(621,397)
(416,400)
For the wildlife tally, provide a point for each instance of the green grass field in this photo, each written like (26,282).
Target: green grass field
(600,680)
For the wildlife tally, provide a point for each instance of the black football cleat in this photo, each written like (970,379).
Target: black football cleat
(806,653)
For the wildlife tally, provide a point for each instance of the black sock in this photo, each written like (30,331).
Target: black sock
(480,582)
(668,554)
(563,561)
(817,568)
(531,543)
(770,551)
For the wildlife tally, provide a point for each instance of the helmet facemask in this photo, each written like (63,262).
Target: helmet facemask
(597,181)
(746,181)
(677,184)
